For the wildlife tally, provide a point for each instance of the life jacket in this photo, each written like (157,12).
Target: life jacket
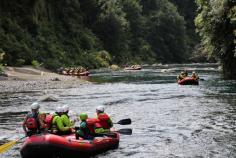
(66,120)
(48,120)
(91,124)
(31,122)
(53,123)
(103,121)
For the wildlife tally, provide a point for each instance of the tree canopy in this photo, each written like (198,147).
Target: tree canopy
(75,32)
(216,23)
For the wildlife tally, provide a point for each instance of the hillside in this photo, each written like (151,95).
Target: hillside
(92,33)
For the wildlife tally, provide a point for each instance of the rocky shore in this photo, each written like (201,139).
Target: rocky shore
(17,79)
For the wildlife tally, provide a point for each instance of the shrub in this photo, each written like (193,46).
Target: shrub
(35,63)
(102,59)
(114,67)
(1,68)
(1,55)
(52,64)
(20,62)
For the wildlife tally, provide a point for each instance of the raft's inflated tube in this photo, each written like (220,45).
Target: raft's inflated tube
(188,81)
(54,146)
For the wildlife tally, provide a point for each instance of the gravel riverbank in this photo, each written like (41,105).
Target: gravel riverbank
(28,78)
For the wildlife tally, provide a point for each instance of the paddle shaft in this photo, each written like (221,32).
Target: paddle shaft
(8,145)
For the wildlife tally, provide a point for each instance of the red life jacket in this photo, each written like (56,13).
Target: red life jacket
(31,123)
(48,120)
(91,124)
(103,121)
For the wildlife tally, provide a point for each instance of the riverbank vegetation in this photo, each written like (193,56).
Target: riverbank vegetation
(1,59)
(98,33)
(93,33)
(216,23)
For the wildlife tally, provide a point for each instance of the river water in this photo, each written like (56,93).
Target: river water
(169,120)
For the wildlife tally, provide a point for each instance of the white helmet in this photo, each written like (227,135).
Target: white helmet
(65,108)
(100,108)
(34,106)
(59,109)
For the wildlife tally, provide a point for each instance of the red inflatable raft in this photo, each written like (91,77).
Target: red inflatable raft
(188,81)
(133,68)
(85,73)
(54,146)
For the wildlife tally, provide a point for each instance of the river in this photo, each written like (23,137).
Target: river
(169,120)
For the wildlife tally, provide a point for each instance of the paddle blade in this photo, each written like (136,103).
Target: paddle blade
(124,122)
(7,146)
(125,131)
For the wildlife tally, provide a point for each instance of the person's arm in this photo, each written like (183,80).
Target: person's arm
(99,130)
(60,125)
(41,118)
(43,125)
(82,129)
(110,122)
(24,125)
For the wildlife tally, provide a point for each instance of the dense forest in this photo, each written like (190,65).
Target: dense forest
(216,24)
(94,33)
(97,33)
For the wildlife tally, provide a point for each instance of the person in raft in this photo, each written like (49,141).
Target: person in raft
(105,123)
(65,117)
(185,73)
(83,131)
(57,124)
(194,75)
(42,121)
(181,76)
(31,124)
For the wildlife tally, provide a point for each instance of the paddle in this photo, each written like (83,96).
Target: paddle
(7,146)
(125,131)
(124,122)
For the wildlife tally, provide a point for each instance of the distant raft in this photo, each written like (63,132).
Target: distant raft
(85,73)
(188,81)
(133,67)
(79,71)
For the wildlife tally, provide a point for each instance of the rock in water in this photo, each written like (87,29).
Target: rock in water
(48,99)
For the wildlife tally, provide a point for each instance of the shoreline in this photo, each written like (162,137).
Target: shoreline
(29,79)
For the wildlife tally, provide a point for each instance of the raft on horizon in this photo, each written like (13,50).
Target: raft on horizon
(133,67)
(80,71)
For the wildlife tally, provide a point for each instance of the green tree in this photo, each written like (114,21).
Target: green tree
(166,30)
(112,28)
(72,32)
(188,9)
(216,23)
(140,49)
